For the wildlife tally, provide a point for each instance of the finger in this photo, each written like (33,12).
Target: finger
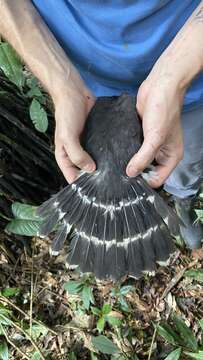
(69,171)
(165,168)
(160,174)
(145,155)
(78,156)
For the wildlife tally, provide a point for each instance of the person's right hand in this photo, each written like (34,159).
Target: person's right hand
(72,106)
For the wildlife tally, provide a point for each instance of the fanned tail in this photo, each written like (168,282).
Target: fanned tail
(126,235)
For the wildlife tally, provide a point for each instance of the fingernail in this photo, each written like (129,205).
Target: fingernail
(89,167)
(131,171)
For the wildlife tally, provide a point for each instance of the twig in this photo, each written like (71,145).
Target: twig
(26,334)
(152,343)
(3,298)
(31,293)
(176,279)
(12,344)
(14,269)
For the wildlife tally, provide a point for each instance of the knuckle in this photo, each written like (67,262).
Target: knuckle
(143,91)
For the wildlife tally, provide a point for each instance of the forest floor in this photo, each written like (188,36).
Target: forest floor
(48,312)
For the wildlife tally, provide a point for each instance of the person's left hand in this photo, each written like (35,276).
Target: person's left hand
(159,103)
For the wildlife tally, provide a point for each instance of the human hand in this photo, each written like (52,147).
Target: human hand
(160,97)
(72,106)
(159,104)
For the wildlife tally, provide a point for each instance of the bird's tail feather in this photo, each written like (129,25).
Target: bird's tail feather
(124,235)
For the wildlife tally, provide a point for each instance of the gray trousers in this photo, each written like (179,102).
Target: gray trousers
(187,177)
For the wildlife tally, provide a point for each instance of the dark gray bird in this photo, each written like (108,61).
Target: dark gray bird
(117,225)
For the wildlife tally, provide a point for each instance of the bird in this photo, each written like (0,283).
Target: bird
(117,226)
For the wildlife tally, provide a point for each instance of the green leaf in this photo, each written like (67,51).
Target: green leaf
(36,356)
(94,356)
(100,324)
(96,311)
(38,116)
(167,333)
(104,345)
(124,304)
(201,323)
(196,274)
(4,316)
(9,292)
(114,321)
(5,320)
(11,64)
(199,213)
(73,287)
(198,355)
(186,333)
(34,92)
(24,227)
(37,331)
(4,350)
(124,290)
(32,82)
(87,296)
(25,211)
(174,355)
(106,308)
(72,356)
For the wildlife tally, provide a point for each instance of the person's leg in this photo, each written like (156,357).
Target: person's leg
(185,180)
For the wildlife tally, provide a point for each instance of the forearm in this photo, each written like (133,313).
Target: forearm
(183,59)
(25,30)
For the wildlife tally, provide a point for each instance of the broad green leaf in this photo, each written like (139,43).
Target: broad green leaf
(174,355)
(72,356)
(96,311)
(9,292)
(38,116)
(4,350)
(34,92)
(11,64)
(73,287)
(87,296)
(104,345)
(100,324)
(196,274)
(37,331)
(114,321)
(106,308)
(186,333)
(24,227)
(36,356)
(167,333)
(24,211)
(197,356)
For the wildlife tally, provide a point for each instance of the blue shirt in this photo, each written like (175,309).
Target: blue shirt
(115,43)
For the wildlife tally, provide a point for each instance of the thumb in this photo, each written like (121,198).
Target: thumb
(78,156)
(145,155)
